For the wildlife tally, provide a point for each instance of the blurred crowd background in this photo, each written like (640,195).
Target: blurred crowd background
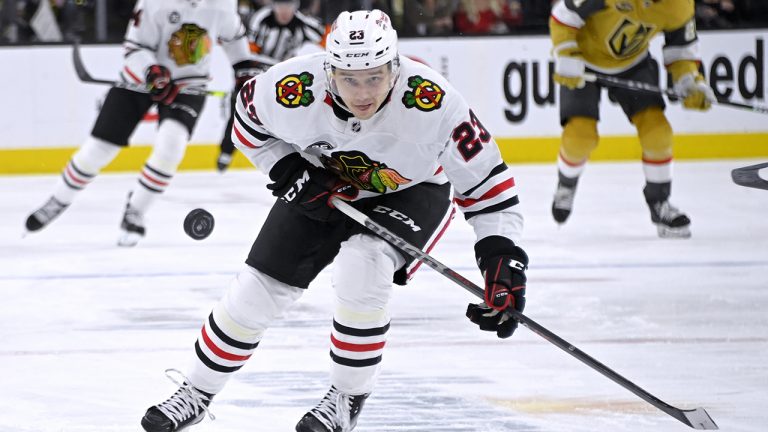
(29,21)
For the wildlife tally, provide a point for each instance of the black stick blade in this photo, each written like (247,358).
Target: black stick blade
(749,177)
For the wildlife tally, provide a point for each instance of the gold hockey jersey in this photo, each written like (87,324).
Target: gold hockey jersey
(613,35)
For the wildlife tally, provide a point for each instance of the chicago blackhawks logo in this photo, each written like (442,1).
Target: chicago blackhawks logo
(292,91)
(425,96)
(189,44)
(358,169)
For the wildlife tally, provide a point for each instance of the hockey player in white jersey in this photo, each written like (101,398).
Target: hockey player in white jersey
(275,33)
(167,50)
(391,135)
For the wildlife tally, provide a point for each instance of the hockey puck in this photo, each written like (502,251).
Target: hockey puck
(198,224)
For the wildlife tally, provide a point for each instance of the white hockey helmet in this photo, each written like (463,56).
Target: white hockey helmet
(361,40)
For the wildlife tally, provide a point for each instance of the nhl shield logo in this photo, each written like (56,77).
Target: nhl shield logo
(293,90)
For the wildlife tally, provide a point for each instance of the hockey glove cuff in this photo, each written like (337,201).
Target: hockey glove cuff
(569,71)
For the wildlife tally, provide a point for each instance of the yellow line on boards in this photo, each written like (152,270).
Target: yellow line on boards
(514,150)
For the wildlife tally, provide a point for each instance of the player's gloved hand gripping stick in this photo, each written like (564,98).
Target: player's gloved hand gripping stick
(696,418)
(612,81)
(86,77)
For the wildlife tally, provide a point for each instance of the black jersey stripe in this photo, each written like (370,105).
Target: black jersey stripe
(511,202)
(496,170)
(211,364)
(251,131)
(355,363)
(226,339)
(376,331)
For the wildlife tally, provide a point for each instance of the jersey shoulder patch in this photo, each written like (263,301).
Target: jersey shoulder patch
(292,91)
(424,94)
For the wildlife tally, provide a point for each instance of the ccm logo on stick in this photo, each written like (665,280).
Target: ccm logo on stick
(399,216)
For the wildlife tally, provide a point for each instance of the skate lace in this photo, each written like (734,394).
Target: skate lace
(334,410)
(564,197)
(49,210)
(186,402)
(666,211)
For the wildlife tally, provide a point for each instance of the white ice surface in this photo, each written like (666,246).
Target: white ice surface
(87,328)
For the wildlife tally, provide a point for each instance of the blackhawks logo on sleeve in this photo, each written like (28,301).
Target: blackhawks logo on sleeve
(424,96)
(357,168)
(189,44)
(293,90)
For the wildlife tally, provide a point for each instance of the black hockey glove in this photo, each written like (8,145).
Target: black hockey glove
(309,188)
(245,70)
(161,88)
(503,266)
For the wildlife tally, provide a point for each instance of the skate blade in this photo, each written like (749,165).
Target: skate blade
(129,239)
(669,232)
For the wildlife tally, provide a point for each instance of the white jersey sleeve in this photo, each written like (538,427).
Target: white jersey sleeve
(484,186)
(233,38)
(141,42)
(249,133)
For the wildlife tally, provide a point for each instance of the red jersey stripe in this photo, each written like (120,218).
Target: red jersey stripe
(494,191)
(242,138)
(132,75)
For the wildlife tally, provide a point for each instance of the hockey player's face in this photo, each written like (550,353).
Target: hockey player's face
(284,12)
(363,91)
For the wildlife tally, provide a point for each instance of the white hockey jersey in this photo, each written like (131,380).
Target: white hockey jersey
(424,132)
(179,34)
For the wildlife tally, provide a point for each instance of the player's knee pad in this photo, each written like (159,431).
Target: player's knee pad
(362,276)
(253,300)
(655,134)
(94,155)
(579,139)
(170,145)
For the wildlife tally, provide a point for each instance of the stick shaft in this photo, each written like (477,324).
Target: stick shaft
(540,330)
(86,77)
(612,81)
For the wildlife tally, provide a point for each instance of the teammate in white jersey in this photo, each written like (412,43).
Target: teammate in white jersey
(275,33)
(167,53)
(362,123)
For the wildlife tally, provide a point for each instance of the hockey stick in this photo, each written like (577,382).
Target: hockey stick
(697,418)
(612,81)
(86,77)
(748,176)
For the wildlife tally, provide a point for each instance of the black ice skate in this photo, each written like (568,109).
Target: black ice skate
(336,412)
(41,217)
(670,222)
(562,204)
(132,227)
(223,162)
(187,407)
